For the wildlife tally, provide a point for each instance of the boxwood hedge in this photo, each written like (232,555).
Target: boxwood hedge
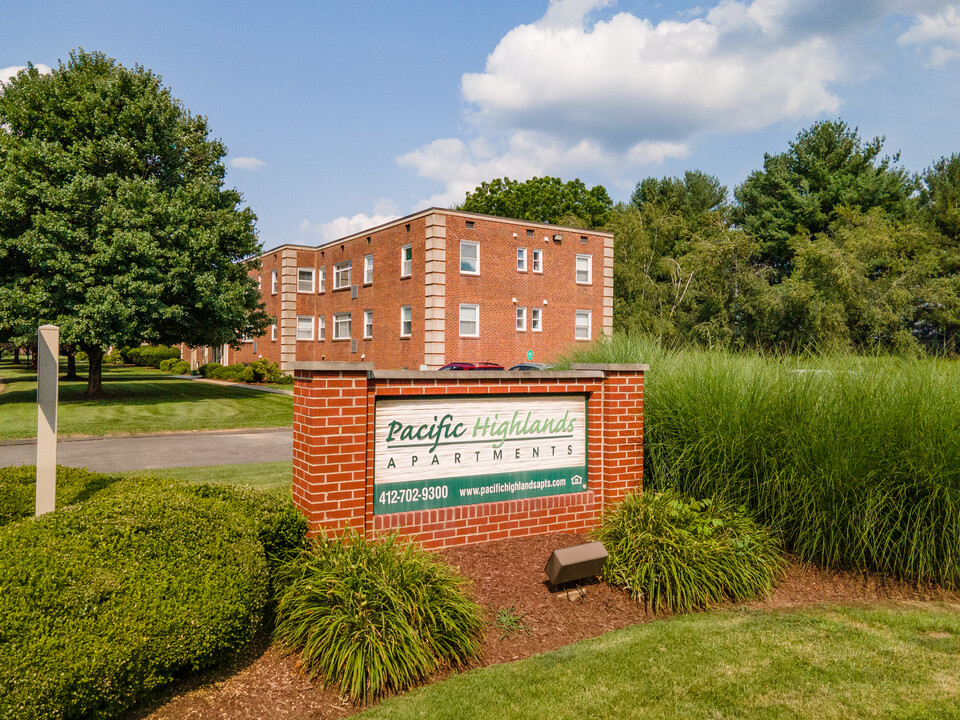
(103,601)
(18,489)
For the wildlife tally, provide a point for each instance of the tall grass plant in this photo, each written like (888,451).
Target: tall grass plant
(854,460)
(674,553)
(370,616)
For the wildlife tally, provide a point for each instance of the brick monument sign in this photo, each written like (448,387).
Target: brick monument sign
(450,458)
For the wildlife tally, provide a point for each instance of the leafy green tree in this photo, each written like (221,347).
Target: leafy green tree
(641,295)
(802,190)
(681,271)
(940,196)
(696,196)
(546,199)
(866,284)
(114,220)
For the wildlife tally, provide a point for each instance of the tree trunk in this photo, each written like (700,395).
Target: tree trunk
(71,364)
(16,356)
(95,373)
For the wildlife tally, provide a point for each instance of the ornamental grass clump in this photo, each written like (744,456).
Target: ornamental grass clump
(852,461)
(370,616)
(674,553)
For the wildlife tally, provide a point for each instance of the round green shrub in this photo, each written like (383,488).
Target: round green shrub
(18,489)
(674,553)
(175,367)
(373,616)
(248,375)
(232,372)
(266,371)
(153,355)
(104,601)
(207,368)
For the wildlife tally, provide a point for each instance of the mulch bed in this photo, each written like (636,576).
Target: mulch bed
(507,574)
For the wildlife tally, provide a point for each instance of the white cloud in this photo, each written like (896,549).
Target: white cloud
(384,211)
(626,80)
(942,29)
(570,13)
(7,73)
(589,91)
(246,163)
(775,21)
(654,153)
(522,155)
(568,95)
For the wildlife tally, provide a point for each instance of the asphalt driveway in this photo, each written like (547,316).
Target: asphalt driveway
(148,452)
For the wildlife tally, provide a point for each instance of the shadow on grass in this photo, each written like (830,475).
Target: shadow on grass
(141,389)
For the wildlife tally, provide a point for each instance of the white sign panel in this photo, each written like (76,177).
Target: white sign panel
(438,452)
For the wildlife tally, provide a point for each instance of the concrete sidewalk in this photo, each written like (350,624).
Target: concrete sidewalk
(245,386)
(146,452)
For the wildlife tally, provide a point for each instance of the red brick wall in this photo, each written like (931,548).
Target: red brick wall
(333,461)
(498,282)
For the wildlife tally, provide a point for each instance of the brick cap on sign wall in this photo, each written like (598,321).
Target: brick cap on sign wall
(334,366)
(610,367)
(485,374)
(576,371)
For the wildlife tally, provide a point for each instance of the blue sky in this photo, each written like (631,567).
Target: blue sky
(339,115)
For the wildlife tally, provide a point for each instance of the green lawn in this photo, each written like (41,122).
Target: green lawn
(819,664)
(272,477)
(137,400)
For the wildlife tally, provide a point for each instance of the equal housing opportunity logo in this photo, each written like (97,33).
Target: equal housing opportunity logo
(478,449)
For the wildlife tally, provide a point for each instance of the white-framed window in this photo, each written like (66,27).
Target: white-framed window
(521,259)
(469,320)
(322,280)
(582,328)
(304,327)
(537,261)
(304,280)
(406,321)
(273,282)
(341,275)
(406,261)
(521,319)
(273,333)
(322,327)
(367,269)
(259,282)
(341,326)
(584,269)
(536,324)
(367,324)
(469,258)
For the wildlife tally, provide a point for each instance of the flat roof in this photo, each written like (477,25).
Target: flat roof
(433,211)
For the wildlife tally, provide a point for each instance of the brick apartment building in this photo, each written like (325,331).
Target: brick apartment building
(434,287)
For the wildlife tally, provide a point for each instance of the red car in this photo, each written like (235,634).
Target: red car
(472,366)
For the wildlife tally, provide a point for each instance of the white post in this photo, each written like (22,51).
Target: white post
(48,377)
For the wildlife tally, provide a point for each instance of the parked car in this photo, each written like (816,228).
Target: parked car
(472,366)
(532,366)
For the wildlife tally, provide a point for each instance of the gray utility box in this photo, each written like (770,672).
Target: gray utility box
(575,563)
